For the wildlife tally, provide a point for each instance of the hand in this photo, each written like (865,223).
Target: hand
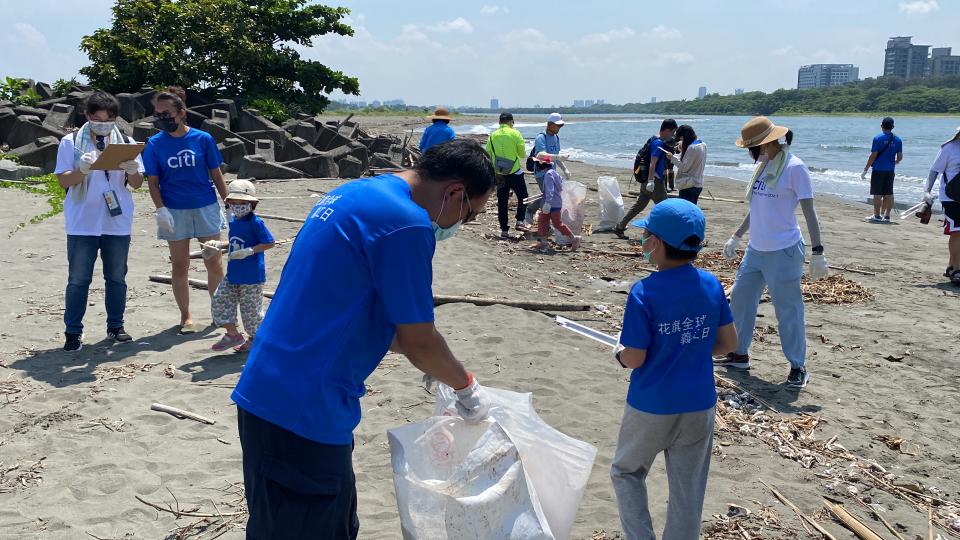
(471,402)
(928,199)
(730,248)
(649,186)
(818,267)
(164,219)
(616,352)
(428,383)
(86,160)
(130,167)
(241,254)
(863,175)
(210,249)
(546,208)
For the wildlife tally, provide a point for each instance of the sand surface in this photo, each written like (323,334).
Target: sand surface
(78,440)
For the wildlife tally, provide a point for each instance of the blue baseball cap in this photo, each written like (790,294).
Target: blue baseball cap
(674,221)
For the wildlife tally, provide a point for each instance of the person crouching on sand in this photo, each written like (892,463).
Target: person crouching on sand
(675,319)
(774,255)
(551,206)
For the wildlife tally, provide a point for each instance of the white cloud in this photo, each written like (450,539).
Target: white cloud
(29,35)
(608,37)
(782,51)
(493,10)
(663,32)
(457,25)
(918,7)
(679,58)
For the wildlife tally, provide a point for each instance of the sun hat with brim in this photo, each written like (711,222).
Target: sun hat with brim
(543,157)
(440,114)
(674,221)
(242,190)
(760,130)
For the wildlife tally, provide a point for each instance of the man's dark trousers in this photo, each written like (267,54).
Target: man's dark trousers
(511,182)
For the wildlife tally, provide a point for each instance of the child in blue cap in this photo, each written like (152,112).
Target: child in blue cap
(676,319)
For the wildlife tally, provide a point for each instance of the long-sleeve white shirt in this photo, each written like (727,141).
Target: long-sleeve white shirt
(690,168)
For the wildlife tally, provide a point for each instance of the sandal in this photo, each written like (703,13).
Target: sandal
(948,271)
(228,342)
(245,348)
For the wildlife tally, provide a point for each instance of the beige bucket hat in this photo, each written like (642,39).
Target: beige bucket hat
(760,130)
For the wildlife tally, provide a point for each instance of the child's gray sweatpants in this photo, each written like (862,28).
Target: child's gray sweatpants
(687,442)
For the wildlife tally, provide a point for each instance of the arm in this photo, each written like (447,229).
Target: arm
(870,160)
(218,181)
(520,147)
(69,179)
(631,358)
(652,173)
(899,157)
(68,173)
(135,180)
(428,351)
(260,248)
(744,226)
(153,184)
(726,340)
(813,222)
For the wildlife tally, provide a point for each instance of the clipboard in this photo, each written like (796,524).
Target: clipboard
(115,154)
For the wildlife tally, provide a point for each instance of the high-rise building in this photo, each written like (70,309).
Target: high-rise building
(942,63)
(702,92)
(588,102)
(601,102)
(824,75)
(904,59)
(578,103)
(653,99)
(738,91)
(494,104)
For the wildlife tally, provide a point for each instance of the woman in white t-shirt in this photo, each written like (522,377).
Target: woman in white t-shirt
(775,254)
(947,167)
(98,211)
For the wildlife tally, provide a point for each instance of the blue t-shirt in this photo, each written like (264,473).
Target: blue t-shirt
(887,160)
(674,315)
(183,165)
(436,133)
(546,143)
(656,151)
(361,265)
(247,232)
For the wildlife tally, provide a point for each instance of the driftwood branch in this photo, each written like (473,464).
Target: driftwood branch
(180,413)
(804,519)
(845,269)
(858,527)
(180,514)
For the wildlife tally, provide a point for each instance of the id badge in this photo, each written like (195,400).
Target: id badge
(113,204)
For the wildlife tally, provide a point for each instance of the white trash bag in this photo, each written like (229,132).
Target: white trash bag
(611,203)
(511,476)
(574,198)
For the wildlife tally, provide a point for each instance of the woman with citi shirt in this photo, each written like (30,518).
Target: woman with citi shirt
(183,172)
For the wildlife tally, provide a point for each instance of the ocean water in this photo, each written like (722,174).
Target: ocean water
(835,148)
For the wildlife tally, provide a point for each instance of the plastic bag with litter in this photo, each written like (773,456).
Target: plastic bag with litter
(574,198)
(511,476)
(611,203)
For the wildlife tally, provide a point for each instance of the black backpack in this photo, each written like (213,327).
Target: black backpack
(531,164)
(642,161)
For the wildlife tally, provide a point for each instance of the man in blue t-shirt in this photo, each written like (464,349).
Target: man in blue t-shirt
(357,283)
(650,174)
(547,141)
(675,320)
(885,153)
(439,131)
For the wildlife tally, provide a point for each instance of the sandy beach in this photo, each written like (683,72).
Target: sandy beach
(79,443)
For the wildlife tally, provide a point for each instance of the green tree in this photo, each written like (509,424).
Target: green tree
(236,48)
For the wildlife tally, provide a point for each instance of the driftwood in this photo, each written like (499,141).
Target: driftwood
(845,269)
(180,514)
(198,254)
(803,517)
(852,523)
(281,218)
(180,413)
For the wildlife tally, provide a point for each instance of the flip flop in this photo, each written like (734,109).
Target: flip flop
(188,329)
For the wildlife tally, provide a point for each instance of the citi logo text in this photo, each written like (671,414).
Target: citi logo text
(184,158)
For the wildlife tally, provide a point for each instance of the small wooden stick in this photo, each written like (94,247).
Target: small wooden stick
(180,413)
(852,523)
(744,533)
(803,517)
(930,523)
(187,514)
(876,514)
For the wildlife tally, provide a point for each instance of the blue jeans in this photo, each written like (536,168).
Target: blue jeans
(81,256)
(780,271)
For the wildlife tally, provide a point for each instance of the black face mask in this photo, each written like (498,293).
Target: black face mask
(166,124)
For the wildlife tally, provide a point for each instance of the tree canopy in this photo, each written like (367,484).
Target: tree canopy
(235,48)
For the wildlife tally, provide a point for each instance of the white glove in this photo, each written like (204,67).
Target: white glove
(649,186)
(730,248)
(164,219)
(241,253)
(471,402)
(818,267)
(210,249)
(616,351)
(928,198)
(86,160)
(130,167)
(546,208)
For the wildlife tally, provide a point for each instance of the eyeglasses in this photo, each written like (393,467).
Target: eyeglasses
(471,214)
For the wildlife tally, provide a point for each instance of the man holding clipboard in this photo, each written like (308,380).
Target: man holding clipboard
(98,166)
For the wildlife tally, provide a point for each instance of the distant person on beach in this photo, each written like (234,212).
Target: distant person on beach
(551,207)
(439,131)
(886,152)
(649,168)
(547,141)
(690,163)
(246,271)
(675,319)
(946,167)
(507,151)
(357,283)
(774,257)
(670,145)
(183,172)
(98,217)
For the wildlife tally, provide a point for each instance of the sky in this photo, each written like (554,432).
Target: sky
(464,52)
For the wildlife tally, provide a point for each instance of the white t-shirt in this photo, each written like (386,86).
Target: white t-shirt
(773,218)
(948,160)
(90,217)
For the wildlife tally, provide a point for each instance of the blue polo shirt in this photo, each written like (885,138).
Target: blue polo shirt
(546,143)
(245,232)
(656,151)
(361,265)
(436,133)
(183,166)
(887,160)
(674,315)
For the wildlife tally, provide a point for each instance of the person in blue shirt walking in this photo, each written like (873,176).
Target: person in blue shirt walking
(246,272)
(886,152)
(650,174)
(675,320)
(547,141)
(439,131)
(357,283)
(183,171)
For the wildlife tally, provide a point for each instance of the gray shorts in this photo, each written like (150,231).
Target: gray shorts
(201,222)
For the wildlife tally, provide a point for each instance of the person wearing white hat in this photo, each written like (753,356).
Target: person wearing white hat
(547,141)
(946,166)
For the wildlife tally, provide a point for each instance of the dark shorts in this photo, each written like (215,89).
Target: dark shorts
(951,217)
(881,182)
(295,487)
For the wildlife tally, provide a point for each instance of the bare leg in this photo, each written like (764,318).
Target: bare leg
(954,245)
(214,268)
(887,204)
(180,268)
(877,199)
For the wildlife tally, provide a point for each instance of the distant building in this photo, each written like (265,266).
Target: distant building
(702,92)
(394,103)
(601,102)
(825,75)
(588,102)
(361,104)
(578,103)
(653,99)
(942,63)
(376,103)
(904,59)
(738,91)
(495,104)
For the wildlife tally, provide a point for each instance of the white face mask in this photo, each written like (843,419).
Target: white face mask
(241,210)
(101,128)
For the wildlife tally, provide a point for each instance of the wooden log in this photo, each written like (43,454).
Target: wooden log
(281,218)
(180,413)
(804,519)
(858,527)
